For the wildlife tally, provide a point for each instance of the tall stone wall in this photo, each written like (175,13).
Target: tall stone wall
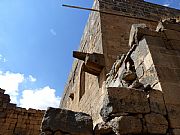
(115,35)
(107,34)
(167,63)
(91,42)
(18,121)
(116,28)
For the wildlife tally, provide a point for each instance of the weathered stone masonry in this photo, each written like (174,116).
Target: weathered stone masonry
(125,80)
(107,35)
(143,92)
(18,121)
(135,101)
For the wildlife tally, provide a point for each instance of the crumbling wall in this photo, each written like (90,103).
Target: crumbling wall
(107,34)
(18,121)
(143,85)
(167,64)
(133,111)
(135,101)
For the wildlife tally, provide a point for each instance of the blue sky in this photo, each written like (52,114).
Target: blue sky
(37,38)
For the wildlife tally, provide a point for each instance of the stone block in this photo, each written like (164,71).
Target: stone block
(18,109)
(175,44)
(167,74)
(165,58)
(175,61)
(154,42)
(8,132)
(150,77)
(1,95)
(13,120)
(120,101)
(133,33)
(176,131)
(2,115)
(126,125)
(30,110)
(2,91)
(67,121)
(157,104)
(177,71)
(102,128)
(172,34)
(11,106)
(6,98)
(156,123)
(168,25)
(5,104)
(138,31)
(148,62)
(173,115)
(171,93)
(140,53)
(18,130)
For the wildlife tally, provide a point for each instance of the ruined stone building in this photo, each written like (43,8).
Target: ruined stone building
(128,73)
(125,78)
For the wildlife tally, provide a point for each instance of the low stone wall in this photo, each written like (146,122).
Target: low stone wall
(18,121)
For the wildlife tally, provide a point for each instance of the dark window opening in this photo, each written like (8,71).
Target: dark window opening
(71,96)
